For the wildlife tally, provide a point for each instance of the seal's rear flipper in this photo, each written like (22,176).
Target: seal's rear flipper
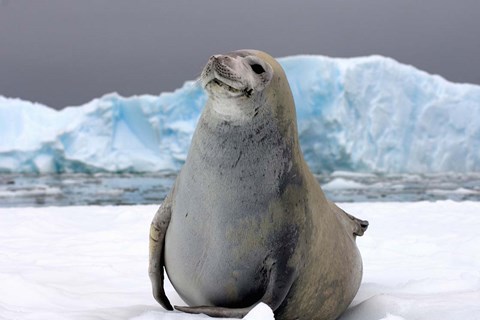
(216,312)
(362,225)
(359,226)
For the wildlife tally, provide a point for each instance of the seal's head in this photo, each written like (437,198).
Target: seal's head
(236,74)
(241,84)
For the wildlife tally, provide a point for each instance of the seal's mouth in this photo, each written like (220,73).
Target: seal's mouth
(223,85)
(235,91)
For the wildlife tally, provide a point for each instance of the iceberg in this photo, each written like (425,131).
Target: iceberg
(110,134)
(367,114)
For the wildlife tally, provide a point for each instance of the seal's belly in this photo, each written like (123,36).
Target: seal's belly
(220,233)
(220,267)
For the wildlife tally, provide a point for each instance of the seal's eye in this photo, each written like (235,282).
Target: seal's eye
(258,69)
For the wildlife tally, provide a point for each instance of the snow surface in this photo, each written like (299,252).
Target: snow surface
(360,114)
(421,261)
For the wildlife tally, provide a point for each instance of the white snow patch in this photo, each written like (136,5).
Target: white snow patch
(261,311)
(421,261)
(38,190)
(456,191)
(340,183)
(351,174)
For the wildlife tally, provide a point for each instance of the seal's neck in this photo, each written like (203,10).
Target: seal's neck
(238,111)
(257,142)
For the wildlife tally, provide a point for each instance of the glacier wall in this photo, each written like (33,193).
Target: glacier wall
(359,114)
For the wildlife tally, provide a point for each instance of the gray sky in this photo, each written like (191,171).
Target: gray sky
(66,52)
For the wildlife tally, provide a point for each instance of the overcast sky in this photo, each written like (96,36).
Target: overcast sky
(66,52)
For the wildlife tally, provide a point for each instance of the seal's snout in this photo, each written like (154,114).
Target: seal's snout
(215,57)
(223,65)
(215,60)
(223,70)
(219,58)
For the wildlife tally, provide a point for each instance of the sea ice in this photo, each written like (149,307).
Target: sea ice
(340,183)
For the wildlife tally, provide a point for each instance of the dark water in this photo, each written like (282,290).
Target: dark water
(131,189)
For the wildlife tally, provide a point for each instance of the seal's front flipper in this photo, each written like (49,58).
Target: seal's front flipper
(158,229)
(217,312)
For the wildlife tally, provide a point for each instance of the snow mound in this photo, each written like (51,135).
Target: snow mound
(361,114)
